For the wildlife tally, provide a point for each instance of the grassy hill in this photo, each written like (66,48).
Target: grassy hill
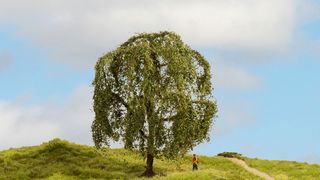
(286,169)
(59,159)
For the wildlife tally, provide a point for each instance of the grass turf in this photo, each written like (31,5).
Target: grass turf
(63,160)
(284,170)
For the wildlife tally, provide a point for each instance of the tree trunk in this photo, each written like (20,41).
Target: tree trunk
(149,167)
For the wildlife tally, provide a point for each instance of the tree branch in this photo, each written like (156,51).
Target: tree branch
(120,99)
(115,94)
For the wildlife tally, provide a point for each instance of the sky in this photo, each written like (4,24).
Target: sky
(264,57)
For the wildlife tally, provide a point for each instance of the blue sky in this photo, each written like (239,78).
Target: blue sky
(264,57)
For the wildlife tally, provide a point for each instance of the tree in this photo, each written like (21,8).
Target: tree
(154,94)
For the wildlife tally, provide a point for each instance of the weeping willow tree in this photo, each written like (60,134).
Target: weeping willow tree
(154,94)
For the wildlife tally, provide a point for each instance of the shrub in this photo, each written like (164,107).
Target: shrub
(231,155)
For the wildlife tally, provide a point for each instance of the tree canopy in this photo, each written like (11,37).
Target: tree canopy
(153,93)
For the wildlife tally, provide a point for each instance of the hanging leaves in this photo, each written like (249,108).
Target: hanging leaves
(154,94)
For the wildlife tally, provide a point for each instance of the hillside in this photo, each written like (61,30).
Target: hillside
(59,159)
(286,169)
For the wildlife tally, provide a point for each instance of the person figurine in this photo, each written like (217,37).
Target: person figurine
(195,162)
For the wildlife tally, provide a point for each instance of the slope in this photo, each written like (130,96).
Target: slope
(286,169)
(250,169)
(59,159)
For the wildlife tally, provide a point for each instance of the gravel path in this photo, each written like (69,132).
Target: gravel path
(250,169)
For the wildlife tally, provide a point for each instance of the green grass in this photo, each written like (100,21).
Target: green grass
(67,161)
(283,170)
(63,160)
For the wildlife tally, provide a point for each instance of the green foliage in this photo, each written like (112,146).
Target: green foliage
(62,160)
(231,155)
(286,169)
(154,94)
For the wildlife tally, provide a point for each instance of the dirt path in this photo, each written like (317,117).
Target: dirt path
(250,169)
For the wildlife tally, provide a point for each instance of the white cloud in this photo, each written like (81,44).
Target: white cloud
(6,60)
(23,124)
(79,31)
(312,47)
(233,115)
(234,78)
(308,10)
